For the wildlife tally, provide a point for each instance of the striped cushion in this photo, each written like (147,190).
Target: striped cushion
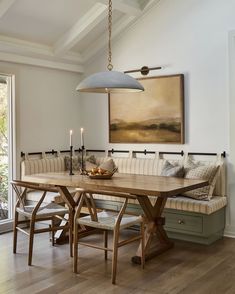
(45,165)
(188,204)
(180,203)
(34,195)
(142,166)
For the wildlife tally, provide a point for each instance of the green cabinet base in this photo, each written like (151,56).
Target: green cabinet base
(183,225)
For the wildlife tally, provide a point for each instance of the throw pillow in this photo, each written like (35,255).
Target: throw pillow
(205,172)
(108,165)
(170,170)
(89,166)
(77,162)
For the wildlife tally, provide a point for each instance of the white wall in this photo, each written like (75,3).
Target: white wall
(184,36)
(47,107)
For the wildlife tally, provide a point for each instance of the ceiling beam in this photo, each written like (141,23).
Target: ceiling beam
(83,26)
(101,42)
(130,7)
(5,5)
(149,4)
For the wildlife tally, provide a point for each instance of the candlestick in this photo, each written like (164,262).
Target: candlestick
(82,137)
(71,161)
(70,137)
(83,171)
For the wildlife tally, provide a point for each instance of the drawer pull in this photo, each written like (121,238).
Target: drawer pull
(181,221)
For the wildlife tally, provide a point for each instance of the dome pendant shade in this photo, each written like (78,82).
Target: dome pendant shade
(108,82)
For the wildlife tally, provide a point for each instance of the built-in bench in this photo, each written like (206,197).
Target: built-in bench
(186,218)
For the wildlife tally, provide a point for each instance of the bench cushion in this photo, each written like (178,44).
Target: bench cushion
(34,195)
(180,203)
(200,206)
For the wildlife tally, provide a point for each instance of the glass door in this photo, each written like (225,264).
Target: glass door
(6,150)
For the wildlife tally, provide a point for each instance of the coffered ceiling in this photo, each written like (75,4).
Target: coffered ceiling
(62,34)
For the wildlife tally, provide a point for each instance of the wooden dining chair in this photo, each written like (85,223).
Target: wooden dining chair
(40,212)
(106,221)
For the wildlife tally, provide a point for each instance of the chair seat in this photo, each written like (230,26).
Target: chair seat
(44,211)
(107,220)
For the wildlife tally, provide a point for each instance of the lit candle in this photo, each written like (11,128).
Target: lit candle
(70,137)
(82,137)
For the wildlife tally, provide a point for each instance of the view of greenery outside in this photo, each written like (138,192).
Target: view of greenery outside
(3,153)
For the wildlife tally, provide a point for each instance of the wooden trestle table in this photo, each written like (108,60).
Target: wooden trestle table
(135,186)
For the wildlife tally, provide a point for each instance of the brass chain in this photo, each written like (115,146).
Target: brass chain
(110,66)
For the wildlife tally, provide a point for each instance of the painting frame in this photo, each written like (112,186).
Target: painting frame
(172,131)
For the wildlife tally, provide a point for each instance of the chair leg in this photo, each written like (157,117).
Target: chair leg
(106,244)
(15,231)
(75,248)
(115,255)
(31,238)
(70,221)
(142,232)
(52,231)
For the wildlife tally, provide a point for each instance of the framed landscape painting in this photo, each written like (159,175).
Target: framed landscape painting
(153,116)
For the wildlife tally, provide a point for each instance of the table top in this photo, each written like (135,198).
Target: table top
(123,183)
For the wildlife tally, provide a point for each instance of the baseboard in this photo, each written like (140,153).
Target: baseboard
(229,231)
(6,226)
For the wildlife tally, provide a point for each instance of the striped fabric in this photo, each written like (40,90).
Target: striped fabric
(34,195)
(180,203)
(36,166)
(201,206)
(144,166)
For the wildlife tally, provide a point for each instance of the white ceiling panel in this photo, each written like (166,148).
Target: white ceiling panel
(42,21)
(62,33)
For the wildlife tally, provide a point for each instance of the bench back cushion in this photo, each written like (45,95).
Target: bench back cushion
(45,165)
(143,166)
(153,166)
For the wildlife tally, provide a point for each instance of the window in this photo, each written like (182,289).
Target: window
(7,150)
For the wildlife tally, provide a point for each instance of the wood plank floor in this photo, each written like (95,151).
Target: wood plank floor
(186,269)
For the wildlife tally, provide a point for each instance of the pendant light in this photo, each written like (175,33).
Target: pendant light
(109,81)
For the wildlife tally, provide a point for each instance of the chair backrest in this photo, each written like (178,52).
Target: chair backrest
(21,188)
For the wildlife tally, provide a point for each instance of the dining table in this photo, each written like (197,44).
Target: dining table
(136,186)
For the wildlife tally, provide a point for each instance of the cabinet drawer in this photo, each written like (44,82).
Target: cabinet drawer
(182,222)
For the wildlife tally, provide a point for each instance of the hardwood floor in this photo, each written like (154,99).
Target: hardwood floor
(186,269)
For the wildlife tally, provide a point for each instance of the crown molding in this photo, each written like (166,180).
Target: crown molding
(20,59)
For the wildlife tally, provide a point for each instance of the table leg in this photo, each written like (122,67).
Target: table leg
(156,239)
